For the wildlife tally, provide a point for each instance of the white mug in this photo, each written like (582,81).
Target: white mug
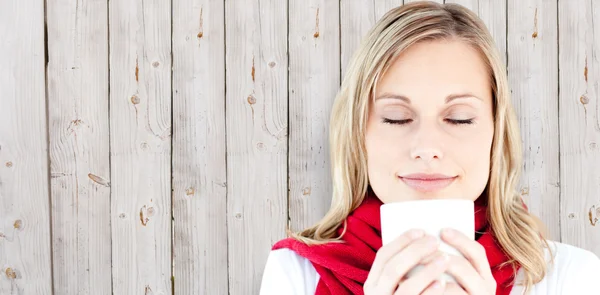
(431,216)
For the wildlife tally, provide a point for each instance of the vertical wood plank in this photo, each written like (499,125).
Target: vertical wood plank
(493,14)
(140,135)
(533,72)
(314,44)
(79,146)
(579,70)
(357,17)
(24,202)
(199,147)
(472,5)
(256,120)
(409,1)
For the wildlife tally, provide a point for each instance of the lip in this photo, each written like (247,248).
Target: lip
(427,182)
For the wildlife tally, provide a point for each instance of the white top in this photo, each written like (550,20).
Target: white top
(575,271)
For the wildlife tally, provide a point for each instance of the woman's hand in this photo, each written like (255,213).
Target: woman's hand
(394,260)
(472,272)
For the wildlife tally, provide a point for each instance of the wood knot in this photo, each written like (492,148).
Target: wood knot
(306,191)
(190,191)
(18,224)
(251,99)
(593,215)
(144,220)
(99,180)
(135,99)
(9,164)
(584,99)
(10,273)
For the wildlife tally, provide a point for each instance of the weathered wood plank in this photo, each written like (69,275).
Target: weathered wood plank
(473,5)
(314,81)
(25,252)
(409,1)
(532,73)
(256,118)
(356,19)
(140,136)
(493,14)
(79,146)
(579,70)
(199,148)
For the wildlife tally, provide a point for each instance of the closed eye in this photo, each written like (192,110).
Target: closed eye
(459,122)
(406,121)
(397,122)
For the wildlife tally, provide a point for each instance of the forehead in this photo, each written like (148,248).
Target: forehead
(436,69)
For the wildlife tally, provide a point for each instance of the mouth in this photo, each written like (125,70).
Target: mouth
(427,182)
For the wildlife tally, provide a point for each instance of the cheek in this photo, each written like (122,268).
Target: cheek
(475,158)
(383,150)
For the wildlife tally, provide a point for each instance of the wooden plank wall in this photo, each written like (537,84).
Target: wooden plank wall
(25,225)
(579,123)
(78,124)
(158,147)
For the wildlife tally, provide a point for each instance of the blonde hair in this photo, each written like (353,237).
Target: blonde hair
(514,227)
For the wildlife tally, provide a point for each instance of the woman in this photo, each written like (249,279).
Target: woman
(424,113)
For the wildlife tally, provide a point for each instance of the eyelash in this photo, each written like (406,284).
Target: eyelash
(402,122)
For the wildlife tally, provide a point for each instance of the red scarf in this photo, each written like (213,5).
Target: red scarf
(343,267)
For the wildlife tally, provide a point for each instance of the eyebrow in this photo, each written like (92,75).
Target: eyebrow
(449,98)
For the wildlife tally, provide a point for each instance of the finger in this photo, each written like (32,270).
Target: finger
(454,289)
(473,251)
(426,277)
(397,267)
(466,276)
(436,288)
(388,251)
(430,258)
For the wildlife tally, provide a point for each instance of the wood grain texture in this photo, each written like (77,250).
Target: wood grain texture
(199,148)
(257,118)
(493,14)
(357,17)
(79,146)
(533,72)
(472,5)
(140,136)
(409,1)
(25,253)
(314,81)
(579,122)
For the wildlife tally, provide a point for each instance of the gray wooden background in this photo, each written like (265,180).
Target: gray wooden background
(152,146)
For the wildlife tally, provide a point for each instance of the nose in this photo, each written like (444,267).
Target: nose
(426,154)
(427,144)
